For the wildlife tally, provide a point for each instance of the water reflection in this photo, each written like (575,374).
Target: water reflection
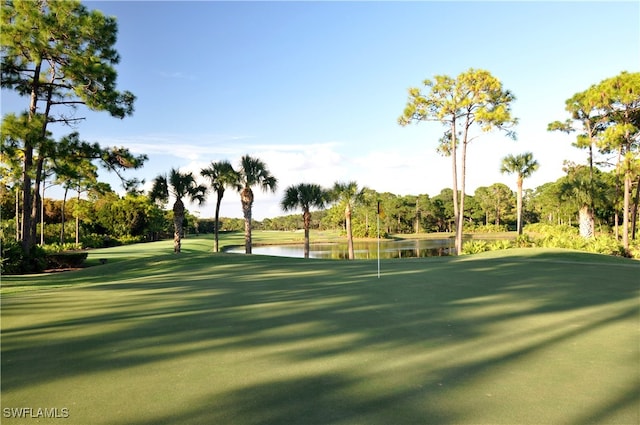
(407,248)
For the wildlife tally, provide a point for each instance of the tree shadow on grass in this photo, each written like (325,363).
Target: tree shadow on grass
(268,340)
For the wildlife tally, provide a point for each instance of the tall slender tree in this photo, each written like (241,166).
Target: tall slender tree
(588,120)
(252,172)
(348,196)
(178,185)
(619,99)
(59,55)
(473,100)
(304,196)
(221,176)
(582,191)
(522,165)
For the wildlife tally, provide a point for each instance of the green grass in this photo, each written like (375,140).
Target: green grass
(521,336)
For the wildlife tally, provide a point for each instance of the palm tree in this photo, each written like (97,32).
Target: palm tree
(221,175)
(253,172)
(582,189)
(304,196)
(523,165)
(177,185)
(348,196)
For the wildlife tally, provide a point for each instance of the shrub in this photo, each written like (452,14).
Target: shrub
(634,249)
(55,248)
(500,244)
(524,241)
(475,247)
(561,240)
(12,257)
(486,228)
(128,240)
(551,229)
(14,260)
(557,236)
(95,240)
(63,260)
(605,244)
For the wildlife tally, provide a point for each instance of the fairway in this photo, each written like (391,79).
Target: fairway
(522,336)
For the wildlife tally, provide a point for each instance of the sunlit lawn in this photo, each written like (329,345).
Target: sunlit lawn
(511,337)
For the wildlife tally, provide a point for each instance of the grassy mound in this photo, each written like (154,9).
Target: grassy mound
(524,336)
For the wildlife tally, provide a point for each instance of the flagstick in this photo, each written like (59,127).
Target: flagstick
(378,225)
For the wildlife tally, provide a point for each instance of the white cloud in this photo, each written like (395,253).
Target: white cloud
(401,168)
(179,75)
(319,163)
(184,147)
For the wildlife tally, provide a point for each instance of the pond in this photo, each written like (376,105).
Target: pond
(403,248)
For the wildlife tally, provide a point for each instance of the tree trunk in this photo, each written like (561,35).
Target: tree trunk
(178,219)
(78,220)
(177,240)
(216,247)
(35,212)
(519,206)
(347,216)
(617,196)
(44,186)
(17,214)
(454,167)
(634,210)
(64,203)
(306,217)
(628,187)
(587,222)
(460,222)
(36,199)
(246,197)
(366,222)
(27,200)
(625,210)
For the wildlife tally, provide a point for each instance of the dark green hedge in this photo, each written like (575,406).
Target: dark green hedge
(15,261)
(65,260)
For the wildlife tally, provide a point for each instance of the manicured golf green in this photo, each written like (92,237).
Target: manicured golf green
(521,336)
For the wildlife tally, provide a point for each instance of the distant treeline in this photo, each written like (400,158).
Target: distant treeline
(108,219)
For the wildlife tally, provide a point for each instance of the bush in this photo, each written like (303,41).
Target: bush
(65,260)
(556,236)
(551,229)
(54,248)
(95,240)
(500,244)
(524,241)
(634,249)
(128,240)
(474,247)
(605,244)
(561,240)
(14,260)
(486,228)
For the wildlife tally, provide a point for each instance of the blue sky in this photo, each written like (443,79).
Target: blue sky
(315,88)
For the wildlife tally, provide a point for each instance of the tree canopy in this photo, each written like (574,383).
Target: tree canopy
(58,56)
(475,99)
